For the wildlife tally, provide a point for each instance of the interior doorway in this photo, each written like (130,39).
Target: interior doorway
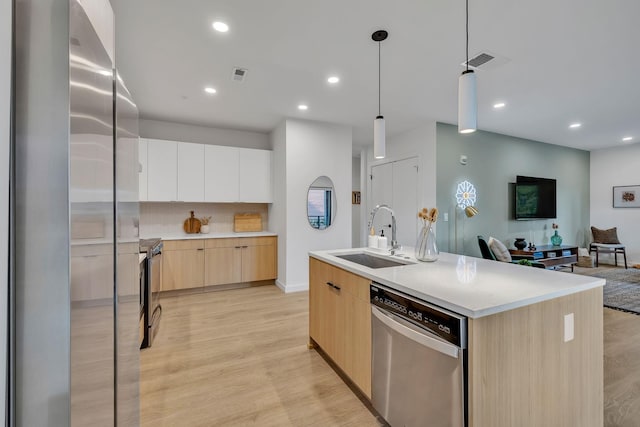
(395,183)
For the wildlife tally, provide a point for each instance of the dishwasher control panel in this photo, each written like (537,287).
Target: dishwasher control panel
(447,325)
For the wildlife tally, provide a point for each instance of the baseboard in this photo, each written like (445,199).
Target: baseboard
(299,287)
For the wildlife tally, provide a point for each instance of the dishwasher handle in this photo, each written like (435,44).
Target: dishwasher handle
(418,337)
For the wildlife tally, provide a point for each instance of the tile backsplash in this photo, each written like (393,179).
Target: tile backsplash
(168,218)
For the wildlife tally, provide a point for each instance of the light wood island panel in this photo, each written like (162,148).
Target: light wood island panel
(521,372)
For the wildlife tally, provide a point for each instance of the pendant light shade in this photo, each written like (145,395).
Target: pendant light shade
(467,111)
(379,135)
(467,101)
(379,143)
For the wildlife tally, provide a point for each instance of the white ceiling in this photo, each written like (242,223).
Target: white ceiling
(569,60)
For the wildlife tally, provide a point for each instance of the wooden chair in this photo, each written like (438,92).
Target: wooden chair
(608,248)
(606,241)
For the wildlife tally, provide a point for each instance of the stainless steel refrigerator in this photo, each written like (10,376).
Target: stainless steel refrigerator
(75,302)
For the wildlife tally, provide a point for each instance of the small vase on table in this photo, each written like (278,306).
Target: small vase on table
(556,239)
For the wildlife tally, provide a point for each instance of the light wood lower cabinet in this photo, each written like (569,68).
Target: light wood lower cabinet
(340,320)
(189,264)
(182,264)
(239,260)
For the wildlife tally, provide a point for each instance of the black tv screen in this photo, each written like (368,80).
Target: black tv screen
(535,198)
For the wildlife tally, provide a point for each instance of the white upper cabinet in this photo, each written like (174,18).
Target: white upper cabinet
(187,172)
(255,175)
(142,171)
(222,168)
(162,177)
(191,160)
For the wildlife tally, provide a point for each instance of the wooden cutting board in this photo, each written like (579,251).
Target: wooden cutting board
(192,224)
(245,222)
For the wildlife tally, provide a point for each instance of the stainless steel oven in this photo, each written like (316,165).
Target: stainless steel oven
(152,286)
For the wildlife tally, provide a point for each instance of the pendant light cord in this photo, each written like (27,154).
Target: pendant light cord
(379,78)
(467,2)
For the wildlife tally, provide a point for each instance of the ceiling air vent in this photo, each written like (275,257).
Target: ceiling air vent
(239,74)
(485,61)
(479,60)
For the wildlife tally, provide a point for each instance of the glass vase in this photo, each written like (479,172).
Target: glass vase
(426,248)
(556,239)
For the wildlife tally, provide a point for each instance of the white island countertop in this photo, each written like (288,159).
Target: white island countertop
(184,236)
(472,287)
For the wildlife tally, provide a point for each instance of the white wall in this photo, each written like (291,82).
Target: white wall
(355,209)
(5,100)
(303,151)
(278,209)
(203,135)
(609,168)
(159,219)
(420,142)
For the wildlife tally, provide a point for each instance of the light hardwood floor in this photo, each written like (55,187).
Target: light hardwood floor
(239,358)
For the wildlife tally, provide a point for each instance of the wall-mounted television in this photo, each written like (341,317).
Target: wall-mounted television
(535,198)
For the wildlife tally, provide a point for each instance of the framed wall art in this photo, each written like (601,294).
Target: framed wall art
(626,196)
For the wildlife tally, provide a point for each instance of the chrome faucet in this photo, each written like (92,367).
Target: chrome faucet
(394,241)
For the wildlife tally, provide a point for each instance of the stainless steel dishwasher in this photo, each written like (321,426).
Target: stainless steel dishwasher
(419,367)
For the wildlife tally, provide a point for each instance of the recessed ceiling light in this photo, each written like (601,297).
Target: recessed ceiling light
(303,107)
(333,79)
(499,105)
(627,138)
(220,27)
(210,90)
(575,125)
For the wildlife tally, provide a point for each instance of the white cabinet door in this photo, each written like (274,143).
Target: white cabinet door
(190,172)
(255,176)
(221,173)
(143,170)
(162,185)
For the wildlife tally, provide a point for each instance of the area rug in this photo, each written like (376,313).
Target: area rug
(622,291)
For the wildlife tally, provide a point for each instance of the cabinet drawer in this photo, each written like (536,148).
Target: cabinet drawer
(177,245)
(348,282)
(259,241)
(240,241)
(222,243)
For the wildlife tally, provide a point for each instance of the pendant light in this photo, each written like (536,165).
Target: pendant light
(379,143)
(467,102)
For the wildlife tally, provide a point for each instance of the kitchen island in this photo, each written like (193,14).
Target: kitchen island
(534,337)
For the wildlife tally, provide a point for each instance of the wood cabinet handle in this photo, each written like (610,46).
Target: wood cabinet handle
(237,247)
(201,249)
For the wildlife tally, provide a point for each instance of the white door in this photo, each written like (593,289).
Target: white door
(405,199)
(396,184)
(255,176)
(162,179)
(222,169)
(190,172)
(382,194)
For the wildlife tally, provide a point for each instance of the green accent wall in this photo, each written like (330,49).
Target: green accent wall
(493,161)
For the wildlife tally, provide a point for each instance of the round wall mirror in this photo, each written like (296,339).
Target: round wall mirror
(321,203)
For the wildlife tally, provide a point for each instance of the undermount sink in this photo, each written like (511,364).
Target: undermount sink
(372,261)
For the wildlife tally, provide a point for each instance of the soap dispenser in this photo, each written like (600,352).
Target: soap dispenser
(382,240)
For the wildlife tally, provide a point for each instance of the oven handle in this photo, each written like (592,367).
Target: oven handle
(418,337)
